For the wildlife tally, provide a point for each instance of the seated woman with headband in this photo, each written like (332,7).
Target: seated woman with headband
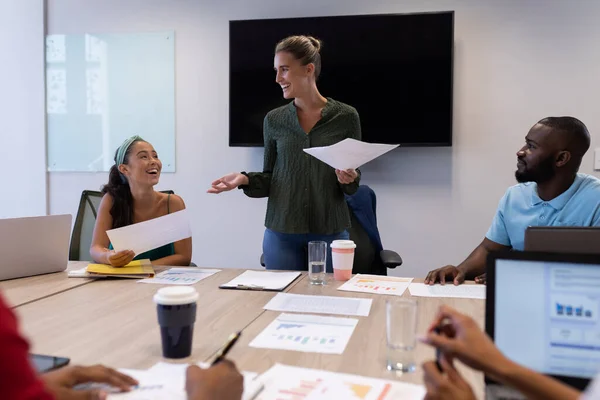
(129,198)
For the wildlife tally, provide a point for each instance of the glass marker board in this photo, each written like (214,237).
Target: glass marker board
(104,88)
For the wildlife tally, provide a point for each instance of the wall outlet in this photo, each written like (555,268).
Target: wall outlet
(597,159)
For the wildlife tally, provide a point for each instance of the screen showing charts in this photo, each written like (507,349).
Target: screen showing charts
(547,316)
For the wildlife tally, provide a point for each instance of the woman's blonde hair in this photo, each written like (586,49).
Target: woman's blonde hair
(306,49)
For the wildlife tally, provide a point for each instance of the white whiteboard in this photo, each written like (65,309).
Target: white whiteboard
(104,88)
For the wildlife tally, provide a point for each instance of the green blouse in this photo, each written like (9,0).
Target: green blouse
(304,193)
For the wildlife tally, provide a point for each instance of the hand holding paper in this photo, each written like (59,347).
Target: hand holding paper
(349,153)
(346,177)
(120,258)
(151,234)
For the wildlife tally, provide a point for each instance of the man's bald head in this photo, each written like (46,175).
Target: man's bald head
(553,148)
(569,134)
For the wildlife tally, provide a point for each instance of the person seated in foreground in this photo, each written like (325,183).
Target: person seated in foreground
(19,381)
(129,198)
(550,193)
(461,339)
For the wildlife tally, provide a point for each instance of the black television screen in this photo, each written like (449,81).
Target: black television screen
(395,69)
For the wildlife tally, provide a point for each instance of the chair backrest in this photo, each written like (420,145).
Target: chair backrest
(366,257)
(81,238)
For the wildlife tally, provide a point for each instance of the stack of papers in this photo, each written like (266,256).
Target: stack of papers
(135,269)
(167,381)
(377,284)
(283,382)
(319,304)
(261,280)
(448,290)
(181,276)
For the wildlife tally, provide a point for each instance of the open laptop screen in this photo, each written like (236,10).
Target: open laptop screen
(544,312)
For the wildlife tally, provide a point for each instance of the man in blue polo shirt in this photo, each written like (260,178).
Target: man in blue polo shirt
(550,193)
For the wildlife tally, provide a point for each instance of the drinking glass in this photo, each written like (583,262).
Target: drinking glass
(401,334)
(317,261)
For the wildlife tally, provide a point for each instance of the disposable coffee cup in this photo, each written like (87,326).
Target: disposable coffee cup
(342,258)
(176,309)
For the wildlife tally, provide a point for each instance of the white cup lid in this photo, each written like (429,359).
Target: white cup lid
(176,295)
(343,244)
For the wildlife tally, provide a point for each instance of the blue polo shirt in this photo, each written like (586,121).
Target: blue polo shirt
(521,207)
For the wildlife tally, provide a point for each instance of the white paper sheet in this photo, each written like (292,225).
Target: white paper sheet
(79,273)
(151,234)
(167,381)
(447,290)
(307,333)
(283,382)
(378,284)
(349,153)
(262,280)
(181,276)
(303,303)
(151,387)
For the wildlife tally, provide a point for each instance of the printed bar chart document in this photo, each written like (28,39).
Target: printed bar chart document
(307,333)
(167,381)
(377,284)
(181,276)
(283,382)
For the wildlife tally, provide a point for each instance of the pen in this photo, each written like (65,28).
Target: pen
(226,347)
(438,353)
(254,393)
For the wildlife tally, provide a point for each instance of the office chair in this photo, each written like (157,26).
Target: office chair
(81,238)
(368,258)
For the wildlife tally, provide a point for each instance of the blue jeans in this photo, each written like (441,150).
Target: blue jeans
(288,251)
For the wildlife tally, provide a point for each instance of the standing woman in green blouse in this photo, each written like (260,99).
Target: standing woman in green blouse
(306,196)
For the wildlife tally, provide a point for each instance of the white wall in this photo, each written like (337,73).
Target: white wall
(516,61)
(22,113)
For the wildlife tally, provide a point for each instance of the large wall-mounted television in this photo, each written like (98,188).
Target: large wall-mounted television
(395,69)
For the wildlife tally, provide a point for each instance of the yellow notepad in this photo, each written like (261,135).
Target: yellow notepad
(135,269)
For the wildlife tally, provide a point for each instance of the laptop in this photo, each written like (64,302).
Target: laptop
(563,239)
(34,245)
(543,312)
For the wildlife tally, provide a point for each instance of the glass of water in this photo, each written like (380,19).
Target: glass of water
(401,334)
(317,260)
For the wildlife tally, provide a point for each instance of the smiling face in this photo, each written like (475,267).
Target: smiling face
(293,77)
(537,160)
(142,166)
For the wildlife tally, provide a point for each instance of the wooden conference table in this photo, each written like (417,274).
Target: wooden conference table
(114,322)
(33,288)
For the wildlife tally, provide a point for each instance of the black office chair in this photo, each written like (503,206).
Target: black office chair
(366,259)
(81,238)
